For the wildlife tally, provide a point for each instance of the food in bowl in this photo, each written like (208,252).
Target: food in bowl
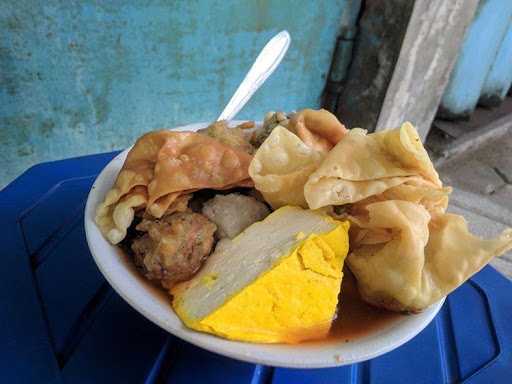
(283,289)
(253,234)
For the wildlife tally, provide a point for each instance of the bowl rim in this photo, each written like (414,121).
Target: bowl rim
(332,354)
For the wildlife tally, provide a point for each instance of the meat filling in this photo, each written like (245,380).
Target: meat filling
(173,248)
(236,137)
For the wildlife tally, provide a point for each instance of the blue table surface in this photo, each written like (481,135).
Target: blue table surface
(61,322)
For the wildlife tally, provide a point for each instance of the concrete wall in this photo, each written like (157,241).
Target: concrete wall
(415,60)
(403,55)
(91,76)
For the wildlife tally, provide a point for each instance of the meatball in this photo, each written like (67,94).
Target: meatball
(272,120)
(233,213)
(173,248)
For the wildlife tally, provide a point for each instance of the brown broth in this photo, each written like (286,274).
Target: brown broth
(156,290)
(355,317)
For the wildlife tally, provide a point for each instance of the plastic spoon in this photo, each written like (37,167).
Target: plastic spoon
(265,64)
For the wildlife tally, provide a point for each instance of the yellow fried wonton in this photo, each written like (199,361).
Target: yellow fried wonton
(364,165)
(281,167)
(406,252)
(318,129)
(422,259)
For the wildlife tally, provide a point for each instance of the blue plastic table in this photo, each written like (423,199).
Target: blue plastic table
(60,321)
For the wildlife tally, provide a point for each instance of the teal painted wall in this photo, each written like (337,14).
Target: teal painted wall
(484,39)
(91,76)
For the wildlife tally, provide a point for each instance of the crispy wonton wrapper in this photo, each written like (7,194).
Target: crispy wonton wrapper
(406,252)
(408,260)
(364,165)
(415,190)
(281,167)
(160,167)
(318,129)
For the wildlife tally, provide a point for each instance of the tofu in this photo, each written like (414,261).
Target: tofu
(233,213)
(276,282)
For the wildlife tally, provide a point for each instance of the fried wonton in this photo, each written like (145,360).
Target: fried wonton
(407,260)
(281,167)
(363,165)
(236,137)
(162,166)
(319,129)
(406,252)
(415,190)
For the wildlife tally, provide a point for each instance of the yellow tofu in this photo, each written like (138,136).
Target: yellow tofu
(291,300)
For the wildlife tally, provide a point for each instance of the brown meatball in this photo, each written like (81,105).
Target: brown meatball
(174,247)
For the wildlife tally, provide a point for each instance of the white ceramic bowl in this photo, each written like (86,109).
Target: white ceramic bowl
(155,304)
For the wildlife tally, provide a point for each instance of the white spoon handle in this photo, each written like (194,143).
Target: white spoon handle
(266,62)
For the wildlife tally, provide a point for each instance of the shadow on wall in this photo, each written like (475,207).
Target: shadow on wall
(79,79)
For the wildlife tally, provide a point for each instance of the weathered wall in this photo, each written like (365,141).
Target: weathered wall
(86,77)
(414,59)
(428,53)
(377,46)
